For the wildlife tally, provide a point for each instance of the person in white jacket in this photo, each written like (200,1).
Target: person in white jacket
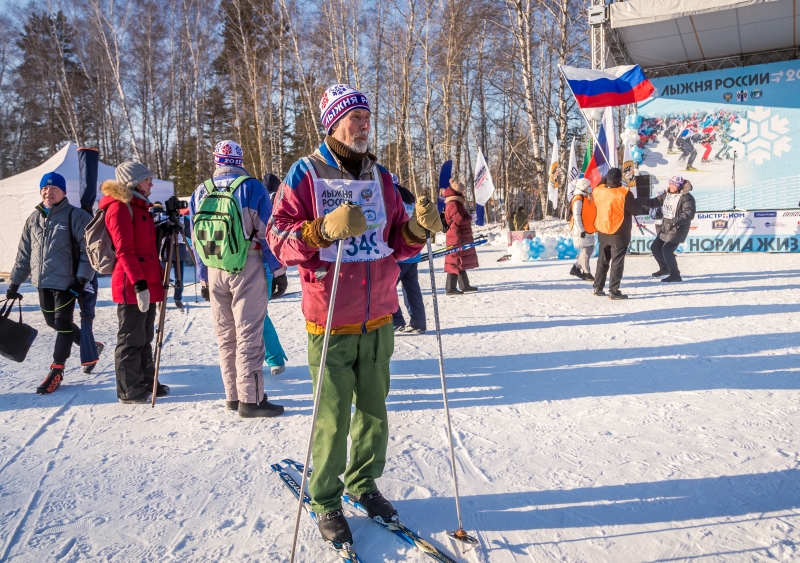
(582,228)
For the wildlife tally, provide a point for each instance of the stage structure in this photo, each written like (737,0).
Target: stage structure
(726,115)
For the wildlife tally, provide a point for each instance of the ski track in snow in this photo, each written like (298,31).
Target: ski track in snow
(658,429)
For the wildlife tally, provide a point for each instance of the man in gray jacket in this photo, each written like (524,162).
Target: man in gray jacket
(52,251)
(678,208)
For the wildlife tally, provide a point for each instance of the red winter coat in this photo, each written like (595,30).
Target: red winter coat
(458,232)
(135,241)
(367,291)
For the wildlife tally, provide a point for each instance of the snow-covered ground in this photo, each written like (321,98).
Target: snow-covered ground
(662,428)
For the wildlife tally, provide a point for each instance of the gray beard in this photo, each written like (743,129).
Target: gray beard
(359,146)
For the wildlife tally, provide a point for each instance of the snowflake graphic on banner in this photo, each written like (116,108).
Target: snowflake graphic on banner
(763,134)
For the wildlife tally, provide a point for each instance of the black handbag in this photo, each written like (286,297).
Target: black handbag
(16,338)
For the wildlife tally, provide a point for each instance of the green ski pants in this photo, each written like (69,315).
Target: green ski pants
(356,372)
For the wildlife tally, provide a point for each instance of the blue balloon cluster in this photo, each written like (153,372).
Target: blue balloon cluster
(633,121)
(637,154)
(534,247)
(566,249)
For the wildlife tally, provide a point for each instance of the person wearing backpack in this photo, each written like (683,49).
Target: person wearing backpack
(582,227)
(53,253)
(136,279)
(230,212)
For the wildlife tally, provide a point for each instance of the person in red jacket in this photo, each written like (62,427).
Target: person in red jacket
(459,232)
(136,283)
(340,193)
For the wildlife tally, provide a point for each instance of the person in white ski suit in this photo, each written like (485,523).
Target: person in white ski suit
(582,235)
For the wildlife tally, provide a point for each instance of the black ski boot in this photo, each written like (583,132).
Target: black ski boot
(334,528)
(378,508)
(451,285)
(259,410)
(660,272)
(52,381)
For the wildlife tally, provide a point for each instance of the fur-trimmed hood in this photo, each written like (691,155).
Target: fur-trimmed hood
(453,195)
(117,190)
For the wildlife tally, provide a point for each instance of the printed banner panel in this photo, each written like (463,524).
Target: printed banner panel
(737,231)
(720,129)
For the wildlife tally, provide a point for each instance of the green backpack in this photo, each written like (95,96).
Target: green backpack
(218,231)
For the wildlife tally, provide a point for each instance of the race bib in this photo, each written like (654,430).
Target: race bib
(330,194)
(670,205)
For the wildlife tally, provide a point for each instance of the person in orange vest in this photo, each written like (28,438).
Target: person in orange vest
(615,206)
(581,225)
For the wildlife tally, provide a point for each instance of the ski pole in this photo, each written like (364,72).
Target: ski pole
(318,394)
(459,534)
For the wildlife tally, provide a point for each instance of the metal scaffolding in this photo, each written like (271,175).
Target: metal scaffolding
(607,45)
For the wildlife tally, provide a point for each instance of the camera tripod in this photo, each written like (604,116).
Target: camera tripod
(173,229)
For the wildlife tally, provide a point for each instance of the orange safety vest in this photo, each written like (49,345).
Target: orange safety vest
(610,203)
(588,213)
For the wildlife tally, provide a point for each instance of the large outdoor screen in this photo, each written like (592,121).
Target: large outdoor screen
(700,125)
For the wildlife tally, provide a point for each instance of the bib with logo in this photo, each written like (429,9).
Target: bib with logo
(670,205)
(329,194)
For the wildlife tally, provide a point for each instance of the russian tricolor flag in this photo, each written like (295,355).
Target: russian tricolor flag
(617,86)
(598,167)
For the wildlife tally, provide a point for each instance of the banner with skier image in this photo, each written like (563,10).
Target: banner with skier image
(734,128)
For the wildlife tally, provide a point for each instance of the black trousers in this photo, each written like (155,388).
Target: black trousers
(58,308)
(133,357)
(611,257)
(664,253)
(412,295)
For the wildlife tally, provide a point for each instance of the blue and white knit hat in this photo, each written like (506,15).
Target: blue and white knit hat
(228,153)
(676,181)
(337,101)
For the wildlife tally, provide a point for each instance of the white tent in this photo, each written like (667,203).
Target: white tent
(19,195)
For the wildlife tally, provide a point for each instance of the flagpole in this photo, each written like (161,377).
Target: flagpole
(596,140)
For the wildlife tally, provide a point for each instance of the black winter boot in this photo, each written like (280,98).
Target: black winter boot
(660,272)
(465,287)
(378,508)
(575,271)
(232,405)
(451,285)
(52,381)
(616,295)
(673,278)
(334,528)
(259,410)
